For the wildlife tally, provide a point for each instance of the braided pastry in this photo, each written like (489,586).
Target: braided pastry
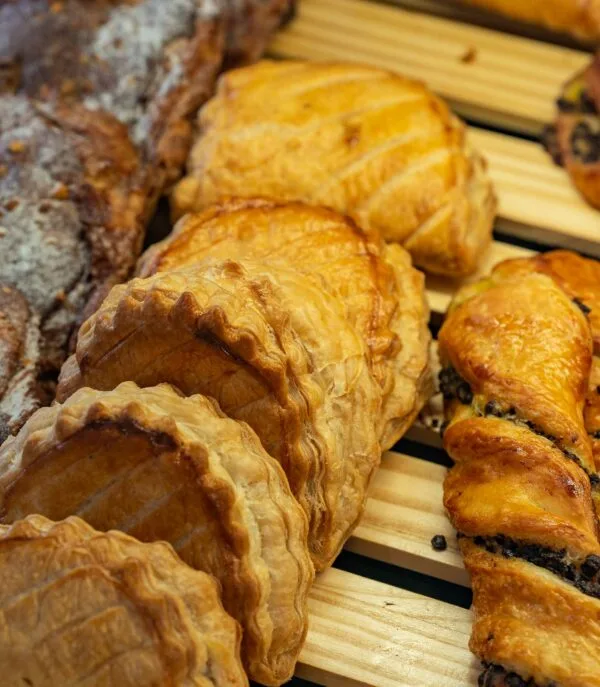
(517,355)
(81,607)
(159,466)
(368,143)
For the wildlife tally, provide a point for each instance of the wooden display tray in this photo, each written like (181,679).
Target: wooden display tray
(364,632)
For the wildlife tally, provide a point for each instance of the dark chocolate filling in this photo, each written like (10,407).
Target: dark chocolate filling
(585,309)
(452,385)
(585,143)
(584,575)
(584,104)
(497,676)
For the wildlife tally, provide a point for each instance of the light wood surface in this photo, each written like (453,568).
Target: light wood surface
(511,82)
(363,632)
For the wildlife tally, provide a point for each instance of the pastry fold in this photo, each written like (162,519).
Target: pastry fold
(259,340)
(380,291)
(516,352)
(365,142)
(81,607)
(160,466)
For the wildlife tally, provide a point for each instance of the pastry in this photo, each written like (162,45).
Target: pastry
(81,607)
(382,294)
(581,18)
(71,223)
(517,353)
(259,340)
(366,142)
(159,466)
(574,139)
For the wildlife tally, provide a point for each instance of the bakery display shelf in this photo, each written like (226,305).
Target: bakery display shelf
(365,632)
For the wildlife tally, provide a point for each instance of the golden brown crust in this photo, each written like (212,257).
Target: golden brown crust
(580,18)
(160,466)
(79,606)
(366,142)
(518,355)
(258,339)
(382,294)
(531,622)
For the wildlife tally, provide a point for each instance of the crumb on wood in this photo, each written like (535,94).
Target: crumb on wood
(3,231)
(11,204)
(469,56)
(16,146)
(60,192)
(6,289)
(389,603)
(439,543)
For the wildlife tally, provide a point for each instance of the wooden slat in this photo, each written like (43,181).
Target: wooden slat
(364,632)
(511,83)
(404,511)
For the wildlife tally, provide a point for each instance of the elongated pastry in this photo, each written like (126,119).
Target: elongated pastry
(363,141)
(82,607)
(382,294)
(581,18)
(517,353)
(259,340)
(159,466)
(72,210)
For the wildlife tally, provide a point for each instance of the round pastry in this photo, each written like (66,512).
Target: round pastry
(160,466)
(363,141)
(383,296)
(275,351)
(81,607)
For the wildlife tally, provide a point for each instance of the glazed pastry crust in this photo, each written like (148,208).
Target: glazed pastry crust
(79,606)
(382,294)
(365,142)
(259,340)
(580,18)
(163,467)
(531,622)
(521,492)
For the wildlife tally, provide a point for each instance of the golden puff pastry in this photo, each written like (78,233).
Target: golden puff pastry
(366,142)
(517,353)
(580,18)
(382,294)
(259,340)
(160,466)
(81,607)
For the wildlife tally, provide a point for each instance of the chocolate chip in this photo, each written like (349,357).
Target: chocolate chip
(590,567)
(439,543)
(464,393)
(582,306)
(514,680)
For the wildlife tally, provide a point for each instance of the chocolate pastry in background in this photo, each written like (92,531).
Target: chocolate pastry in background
(159,466)
(574,139)
(82,607)
(580,18)
(72,206)
(366,142)
(517,354)
(382,294)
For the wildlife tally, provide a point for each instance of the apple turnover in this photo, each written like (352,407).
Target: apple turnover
(159,466)
(259,340)
(83,607)
(517,354)
(366,142)
(382,294)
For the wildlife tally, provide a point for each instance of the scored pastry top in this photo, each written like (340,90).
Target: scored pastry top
(77,604)
(368,143)
(275,351)
(161,466)
(383,295)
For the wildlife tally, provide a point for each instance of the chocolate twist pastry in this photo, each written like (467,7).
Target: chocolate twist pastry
(159,466)
(83,607)
(517,354)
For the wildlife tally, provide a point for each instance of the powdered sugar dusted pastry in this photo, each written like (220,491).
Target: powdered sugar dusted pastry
(382,294)
(275,350)
(72,207)
(366,142)
(81,607)
(160,466)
